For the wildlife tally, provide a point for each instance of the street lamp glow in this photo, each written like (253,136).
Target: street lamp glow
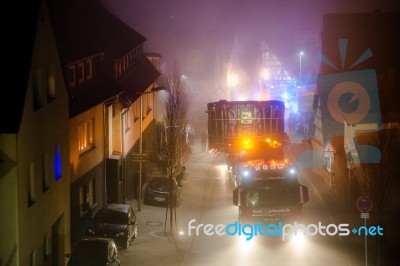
(232,79)
(265,74)
(301,55)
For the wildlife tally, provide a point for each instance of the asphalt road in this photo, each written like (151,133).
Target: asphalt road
(207,198)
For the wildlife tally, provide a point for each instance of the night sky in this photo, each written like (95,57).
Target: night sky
(274,21)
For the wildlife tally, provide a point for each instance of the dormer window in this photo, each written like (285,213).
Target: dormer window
(128,61)
(82,70)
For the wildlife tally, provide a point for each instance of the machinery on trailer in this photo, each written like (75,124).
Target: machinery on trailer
(251,133)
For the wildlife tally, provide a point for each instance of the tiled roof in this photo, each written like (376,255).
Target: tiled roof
(84,28)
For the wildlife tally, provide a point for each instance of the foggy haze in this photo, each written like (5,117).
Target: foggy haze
(275,21)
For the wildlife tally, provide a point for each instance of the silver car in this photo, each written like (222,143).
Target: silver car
(94,251)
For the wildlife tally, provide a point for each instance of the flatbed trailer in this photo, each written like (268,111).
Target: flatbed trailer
(265,184)
(233,125)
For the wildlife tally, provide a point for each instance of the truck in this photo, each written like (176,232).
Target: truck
(265,183)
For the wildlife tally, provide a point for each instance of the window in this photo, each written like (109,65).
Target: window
(125,120)
(46,247)
(136,110)
(85,136)
(89,69)
(72,76)
(32,258)
(147,102)
(51,83)
(80,72)
(127,61)
(31,184)
(86,196)
(57,162)
(44,86)
(45,171)
(39,88)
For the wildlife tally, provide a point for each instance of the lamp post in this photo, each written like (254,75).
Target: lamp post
(141,141)
(301,54)
(349,166)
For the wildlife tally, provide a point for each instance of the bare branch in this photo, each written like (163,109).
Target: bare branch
(175,148)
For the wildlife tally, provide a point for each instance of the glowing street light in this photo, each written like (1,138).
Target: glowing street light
(232,79)
(265,74)
(301,54)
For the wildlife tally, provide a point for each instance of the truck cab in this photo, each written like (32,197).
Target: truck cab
(269,194)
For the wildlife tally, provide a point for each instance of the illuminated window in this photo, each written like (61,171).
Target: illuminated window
(85,136)
(125,120)
(57,162)
(86,196)
(31,184)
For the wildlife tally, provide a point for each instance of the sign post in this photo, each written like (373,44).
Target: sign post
(364,205)
(140,157)
(350,161)
(329,152)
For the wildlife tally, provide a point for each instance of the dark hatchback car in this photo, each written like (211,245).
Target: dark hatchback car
(94,251)
(116,221)
(158,192)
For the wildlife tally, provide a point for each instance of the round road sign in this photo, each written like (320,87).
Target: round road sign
(364,204)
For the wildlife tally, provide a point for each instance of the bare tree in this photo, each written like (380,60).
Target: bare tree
(174,143)
(381,180)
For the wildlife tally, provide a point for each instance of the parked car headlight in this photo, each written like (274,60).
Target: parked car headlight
(120,234)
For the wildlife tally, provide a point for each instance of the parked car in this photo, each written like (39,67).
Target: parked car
(117,221)
(94,251)
(158,192)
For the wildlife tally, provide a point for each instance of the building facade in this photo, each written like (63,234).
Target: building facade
(35,172)
(107,75)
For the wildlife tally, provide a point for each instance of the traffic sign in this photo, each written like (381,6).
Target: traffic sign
(364,204)
(328,147)
(140,157)
(365,215)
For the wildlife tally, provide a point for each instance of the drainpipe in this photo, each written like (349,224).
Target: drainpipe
(106,104)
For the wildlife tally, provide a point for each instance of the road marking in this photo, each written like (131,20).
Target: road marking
(154,223)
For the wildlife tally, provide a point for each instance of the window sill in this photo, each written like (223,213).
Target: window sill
(83,153)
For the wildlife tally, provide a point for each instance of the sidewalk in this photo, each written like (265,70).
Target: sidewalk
(152,219)
(342,212)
